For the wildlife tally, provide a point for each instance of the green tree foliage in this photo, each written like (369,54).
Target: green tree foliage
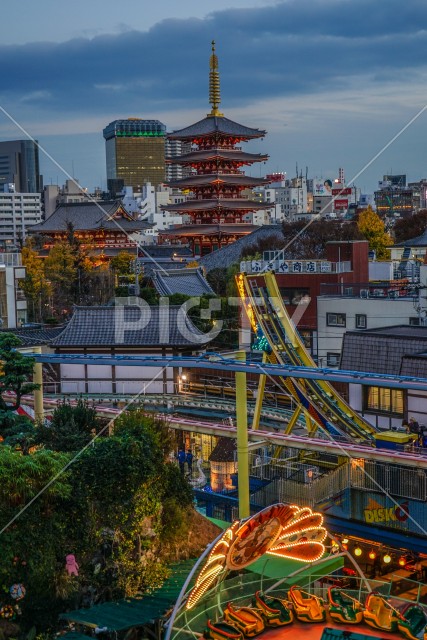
(408,228)
(122,263)
(372,228)
(71,427)
(16,371)
(115,508)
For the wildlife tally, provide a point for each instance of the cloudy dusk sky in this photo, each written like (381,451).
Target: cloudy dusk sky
(332,81)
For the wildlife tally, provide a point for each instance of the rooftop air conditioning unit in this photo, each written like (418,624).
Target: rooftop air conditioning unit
(364,293)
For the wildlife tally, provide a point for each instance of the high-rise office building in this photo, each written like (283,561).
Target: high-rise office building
(135,152)
(19,165)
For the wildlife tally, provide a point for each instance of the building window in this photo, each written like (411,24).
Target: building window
(336,319)
(382,400)
(332,359)
(360,321)
(414,321)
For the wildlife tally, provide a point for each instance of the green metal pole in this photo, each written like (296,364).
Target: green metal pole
(242,440)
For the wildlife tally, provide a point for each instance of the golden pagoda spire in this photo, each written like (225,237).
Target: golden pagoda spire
(214,89)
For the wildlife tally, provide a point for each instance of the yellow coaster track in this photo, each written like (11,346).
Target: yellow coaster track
(320,402)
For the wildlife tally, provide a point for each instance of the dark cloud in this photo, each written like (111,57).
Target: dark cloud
(290,48)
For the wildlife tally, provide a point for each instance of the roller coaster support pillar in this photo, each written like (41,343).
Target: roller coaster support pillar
(38,393)
(260,396)
(242,440)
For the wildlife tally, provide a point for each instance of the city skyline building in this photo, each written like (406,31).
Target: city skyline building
(20,166)
(135,153)
(217,205)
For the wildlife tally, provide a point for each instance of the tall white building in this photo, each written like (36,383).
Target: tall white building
(18,211)
(174,148)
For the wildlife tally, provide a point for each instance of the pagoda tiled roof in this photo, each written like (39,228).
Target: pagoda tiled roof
(190,282)
(238,179)
(215,124)
(202,155)
(85,216)
(223,229)
(138,326)
(217,204)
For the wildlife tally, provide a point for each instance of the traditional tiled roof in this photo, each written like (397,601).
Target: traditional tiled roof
(35,337)
(217,204)
(418,241)
(214,124)
(136,326)
(90,215)
(203,155)
(414,365)
(237,179)
(232,253)
(210,229)
(190,282)
(381,350)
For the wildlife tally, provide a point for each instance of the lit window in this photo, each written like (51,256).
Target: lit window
(383,400)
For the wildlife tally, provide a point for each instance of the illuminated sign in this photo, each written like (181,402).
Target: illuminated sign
(279,530)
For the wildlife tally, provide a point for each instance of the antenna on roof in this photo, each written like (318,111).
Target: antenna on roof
(214,86)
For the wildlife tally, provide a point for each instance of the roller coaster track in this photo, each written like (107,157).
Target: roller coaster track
(318,400)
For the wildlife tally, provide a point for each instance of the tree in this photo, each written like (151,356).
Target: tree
(408,228)
(122,263)
(36,286)
(302,240)
(71,427)
(15,374)
(372,228)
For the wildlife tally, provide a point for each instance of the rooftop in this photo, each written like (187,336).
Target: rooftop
(382,350)
(232,254)
(35,337)
(136,326)
(219,230)
(216,124)
(88,216)
(203,155)
(190,282)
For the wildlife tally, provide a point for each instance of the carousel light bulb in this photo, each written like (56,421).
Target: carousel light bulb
(402,561)
(387,558)
(372,555)
(358,551)
(344,540)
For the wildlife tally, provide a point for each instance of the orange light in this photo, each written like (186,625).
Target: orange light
(402,561)
(372,555)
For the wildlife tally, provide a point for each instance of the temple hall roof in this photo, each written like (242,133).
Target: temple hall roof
(139,326)
(216,124)
(90,215)
(202,155)
(202,179)
(190,282)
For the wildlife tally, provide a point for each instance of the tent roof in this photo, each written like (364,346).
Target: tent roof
(133,612)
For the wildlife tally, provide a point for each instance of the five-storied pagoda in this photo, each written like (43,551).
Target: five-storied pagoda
(217,204)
